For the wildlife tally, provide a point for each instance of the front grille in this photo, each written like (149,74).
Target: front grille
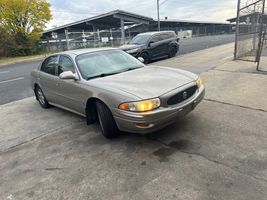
(182,96)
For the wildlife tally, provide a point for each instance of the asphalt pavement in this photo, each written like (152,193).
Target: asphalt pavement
(15,78)
(216,152)
(199,43)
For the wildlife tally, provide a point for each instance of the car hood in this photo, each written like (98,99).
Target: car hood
(131,46)
(146,82)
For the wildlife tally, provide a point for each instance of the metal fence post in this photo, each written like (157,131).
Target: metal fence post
(237,28)
(67,39)
(122,32)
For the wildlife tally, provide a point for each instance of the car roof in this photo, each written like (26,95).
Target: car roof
(82,51)
(156,32)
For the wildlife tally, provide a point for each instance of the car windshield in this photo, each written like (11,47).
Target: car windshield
(104,63)
(140,39)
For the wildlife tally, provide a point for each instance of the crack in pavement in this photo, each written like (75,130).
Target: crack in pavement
(255,72)
(231,104)
(44,134)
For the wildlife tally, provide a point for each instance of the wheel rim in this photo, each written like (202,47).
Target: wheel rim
(41,97)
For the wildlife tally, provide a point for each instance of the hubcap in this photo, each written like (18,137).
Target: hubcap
(41,97)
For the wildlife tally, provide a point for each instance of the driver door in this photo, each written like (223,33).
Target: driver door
(69,91)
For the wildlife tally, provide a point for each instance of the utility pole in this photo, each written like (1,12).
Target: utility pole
(158,15)
(237,28)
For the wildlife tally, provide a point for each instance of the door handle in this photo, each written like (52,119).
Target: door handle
(57,84)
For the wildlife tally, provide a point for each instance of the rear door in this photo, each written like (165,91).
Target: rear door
(166,40)
(157,47)
(47,78)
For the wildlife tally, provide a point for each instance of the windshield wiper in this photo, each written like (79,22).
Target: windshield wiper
(132,68)
(112,73)
(102,75)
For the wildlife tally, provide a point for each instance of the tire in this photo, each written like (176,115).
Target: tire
(106,121)
(41,97)
(172,52)
(145,56)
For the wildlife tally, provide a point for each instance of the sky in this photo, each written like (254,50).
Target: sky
(66,11)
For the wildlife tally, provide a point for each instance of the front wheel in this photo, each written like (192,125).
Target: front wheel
(172,52)
(106,121)
(145,56)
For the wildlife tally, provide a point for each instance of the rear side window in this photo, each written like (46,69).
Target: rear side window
(165,36)
(156,38)
(65,64)
(49,65)
(172,35)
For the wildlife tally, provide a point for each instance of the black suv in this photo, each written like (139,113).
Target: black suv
(152,45)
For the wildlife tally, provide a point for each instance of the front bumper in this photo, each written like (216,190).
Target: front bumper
(157,119)
(134,54)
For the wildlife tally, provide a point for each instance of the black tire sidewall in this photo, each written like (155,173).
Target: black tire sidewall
(106,121)
(46,104)
(172,51)
(143,55)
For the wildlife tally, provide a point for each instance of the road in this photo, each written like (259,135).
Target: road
(15,81)
(15,78)
(199,43)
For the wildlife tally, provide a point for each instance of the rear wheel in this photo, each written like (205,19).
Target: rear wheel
(172,51)
(145,56)
(106,121)
(41,98)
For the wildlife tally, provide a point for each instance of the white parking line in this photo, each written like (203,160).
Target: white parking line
(4,72)
(10,80)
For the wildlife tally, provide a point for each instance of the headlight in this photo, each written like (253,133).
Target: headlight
(199,82)
(133,50)
(141,106)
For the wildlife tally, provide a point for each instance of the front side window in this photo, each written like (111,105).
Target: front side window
(49,65)
(140,39)
(166,36)
(65,64)
(104,63)
(171,35)
(156,38)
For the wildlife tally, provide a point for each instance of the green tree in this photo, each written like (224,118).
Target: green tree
(21,23)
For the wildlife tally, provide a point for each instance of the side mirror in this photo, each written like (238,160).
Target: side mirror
(149,44)
(67,75)
(141,59)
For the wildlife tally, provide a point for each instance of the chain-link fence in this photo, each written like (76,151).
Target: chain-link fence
(112,38)
(249,30)
(203,30)
(78,40)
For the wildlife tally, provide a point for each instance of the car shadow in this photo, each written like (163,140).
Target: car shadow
(80,139)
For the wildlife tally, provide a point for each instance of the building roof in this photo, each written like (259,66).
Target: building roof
(113,20)
(243,18)
(104,21)
(191,22)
